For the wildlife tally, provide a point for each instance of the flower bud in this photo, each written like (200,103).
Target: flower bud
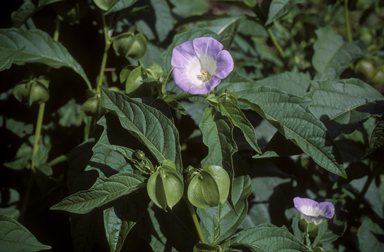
(90,106)
(209,188)
(165,187)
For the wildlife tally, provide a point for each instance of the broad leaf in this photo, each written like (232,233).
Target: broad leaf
(122,216)
(35,46)
(218,223)
(289,115)
(217,135)
(164,18)
(15,237)
(181,38)
(370,236)
(267,237)
(116,5)
(345,104)
(279,8)
(105,191)
(218,25)
(238,118)
(279,146)
(332,54)
(149,125)
(290,82)
(376,143)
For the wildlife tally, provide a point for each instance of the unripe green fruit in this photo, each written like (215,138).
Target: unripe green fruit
(70,10)
(209,188)
(90,106)
(129,45)
(378,78)
(365,68)
(35,90)
(165,187)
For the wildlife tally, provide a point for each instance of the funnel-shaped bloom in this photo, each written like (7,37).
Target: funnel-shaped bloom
(311,211)
(199,65)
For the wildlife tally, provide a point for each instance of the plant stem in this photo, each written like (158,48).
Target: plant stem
(274,41)
(376,49)
(105,55)
(376,170)
(58,160)
(57,29)
(347,25)
(195,220)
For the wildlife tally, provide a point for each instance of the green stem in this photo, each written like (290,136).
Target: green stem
(376,49)
(57,29)
(58,160)
(105,55)
(195,220)
(347,25)
(274,41)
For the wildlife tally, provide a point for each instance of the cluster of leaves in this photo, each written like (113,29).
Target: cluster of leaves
(300,115)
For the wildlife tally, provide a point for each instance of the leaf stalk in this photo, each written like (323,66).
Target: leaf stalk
(195,220)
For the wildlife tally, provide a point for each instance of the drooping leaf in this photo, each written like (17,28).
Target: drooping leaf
(279,8)
(267,237)
(181,38)
(120,218)
(345,104)
(116,5)
(218,136)
(218,223)
(238,118)
(164,18)
(36,46)
(289,115)
(218,25)
(369,236)
(332,54)
(15,237)
(149,125)
(105,191)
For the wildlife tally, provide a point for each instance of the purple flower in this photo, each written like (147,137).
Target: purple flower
(199,65)
(311,211)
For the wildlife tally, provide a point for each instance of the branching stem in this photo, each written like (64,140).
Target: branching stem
(105,55)
(347,24)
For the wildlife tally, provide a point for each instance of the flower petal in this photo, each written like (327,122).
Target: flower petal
(224,64)
(206,88)
(182,79)
(303,204)
(327,209)
(207,46)
(183,55)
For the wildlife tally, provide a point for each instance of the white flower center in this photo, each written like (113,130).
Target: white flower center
(311,211)
(201,69)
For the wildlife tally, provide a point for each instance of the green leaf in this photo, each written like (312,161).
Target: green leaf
(218,25)
(223,217)
(329,232)
(376,143)
(35,46)
(345,104)
(218,136)
(122,216)
(279,8)
(164,18)
(23,13)
(369,236)
(289,115)
(149,125)
(181,38)
(332,54)
(290,82)
(267,237)
(238,118)
(15,237)
(106,191)
(116,5)
(252,28)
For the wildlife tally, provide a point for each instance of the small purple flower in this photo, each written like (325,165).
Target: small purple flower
(199,65)
(312,211)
